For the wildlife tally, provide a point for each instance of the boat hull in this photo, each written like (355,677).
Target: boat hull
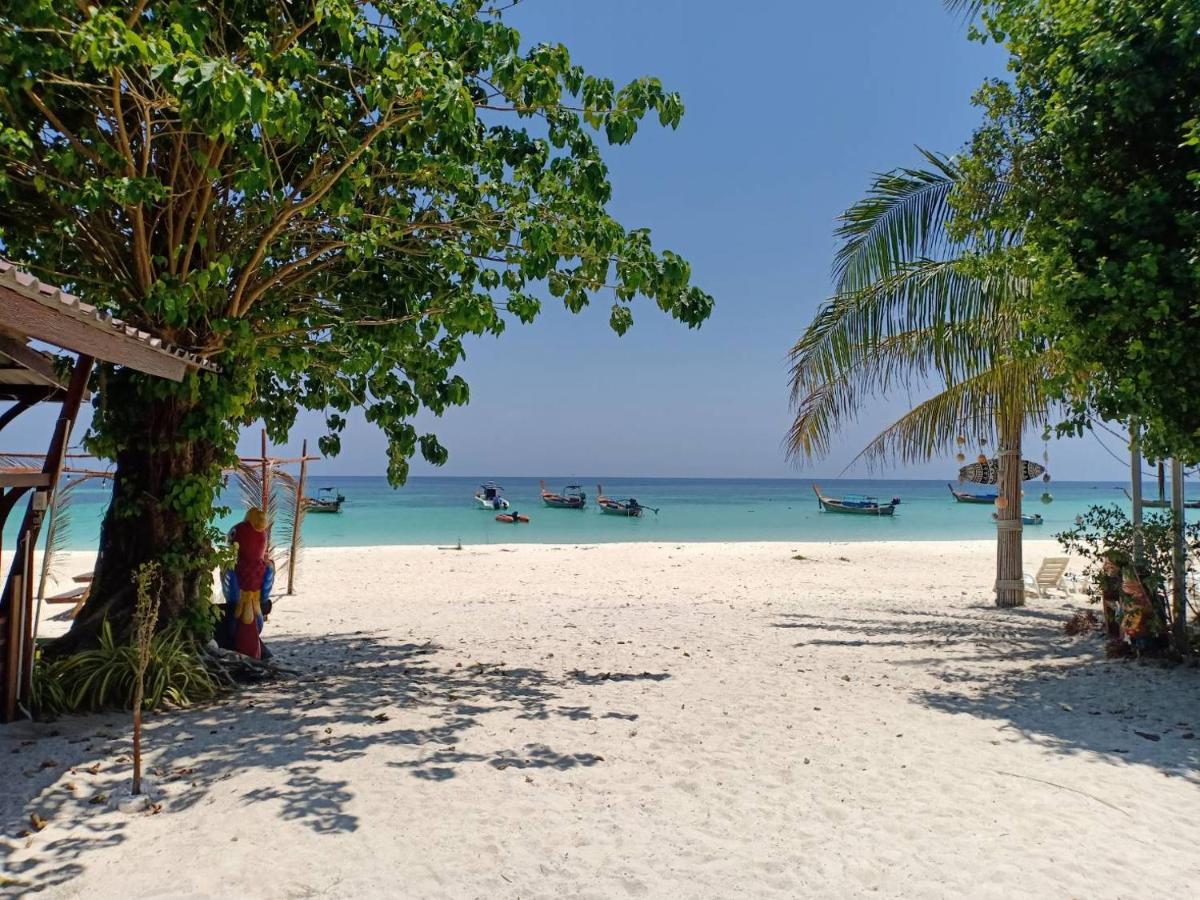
(625,511)
(491,505)
(563,502)
(976,499)
(833,506)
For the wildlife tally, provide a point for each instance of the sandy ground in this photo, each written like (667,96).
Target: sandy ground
(704,720)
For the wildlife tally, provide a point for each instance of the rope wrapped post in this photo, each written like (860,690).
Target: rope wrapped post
(1010,581)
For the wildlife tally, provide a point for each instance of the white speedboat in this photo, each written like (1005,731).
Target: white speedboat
(490,496)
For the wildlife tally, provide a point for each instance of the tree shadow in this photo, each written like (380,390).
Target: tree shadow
(1018,667)
(353,694)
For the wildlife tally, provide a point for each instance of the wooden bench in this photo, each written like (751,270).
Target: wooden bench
(76,596)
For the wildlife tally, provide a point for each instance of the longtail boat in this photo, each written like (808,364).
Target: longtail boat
(629,508)
(1165,504)
(966,497)
(572,497)
(855,504)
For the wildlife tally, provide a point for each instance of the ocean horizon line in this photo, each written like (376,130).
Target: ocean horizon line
(1116,482)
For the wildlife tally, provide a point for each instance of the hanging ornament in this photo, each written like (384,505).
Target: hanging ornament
(1047,498)
(1046,435)
(1046,478)
(1001,503)
(982,459)
(962,440)
(960,457)
(983,442)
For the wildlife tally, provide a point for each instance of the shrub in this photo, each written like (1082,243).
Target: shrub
(105,676)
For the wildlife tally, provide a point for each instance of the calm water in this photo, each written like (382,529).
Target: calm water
(441,510)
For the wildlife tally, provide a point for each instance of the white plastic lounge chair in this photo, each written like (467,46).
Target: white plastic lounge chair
(1050,577)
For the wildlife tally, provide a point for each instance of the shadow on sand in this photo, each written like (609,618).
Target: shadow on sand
(346,699)
(1017,666)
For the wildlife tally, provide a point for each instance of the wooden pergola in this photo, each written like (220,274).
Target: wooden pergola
(33,311)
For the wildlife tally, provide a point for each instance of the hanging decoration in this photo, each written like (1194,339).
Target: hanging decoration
(1047,497)
(988,471)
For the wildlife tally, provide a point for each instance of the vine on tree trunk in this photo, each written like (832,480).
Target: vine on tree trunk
(170,442)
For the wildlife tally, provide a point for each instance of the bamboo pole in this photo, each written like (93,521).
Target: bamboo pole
(297,518)
(1178,559)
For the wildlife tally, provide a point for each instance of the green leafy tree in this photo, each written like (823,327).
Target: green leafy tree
(927,300)
(325,197)
(1098,134)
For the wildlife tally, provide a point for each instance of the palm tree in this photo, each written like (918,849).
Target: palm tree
(916,307)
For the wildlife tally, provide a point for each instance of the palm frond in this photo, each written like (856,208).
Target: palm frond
(904,216)
(968,9)
(937,355)
(918,309)
(58,527)
(974,406)
(290,507)
(249,478)
(915,297)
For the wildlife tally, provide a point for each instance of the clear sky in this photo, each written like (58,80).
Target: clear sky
(791,107)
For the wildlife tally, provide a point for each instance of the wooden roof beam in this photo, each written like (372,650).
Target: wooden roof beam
(36,320)
(29,359)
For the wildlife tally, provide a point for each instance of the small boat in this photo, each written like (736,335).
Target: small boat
(855,504)
(572,497)
(513,518)
(1026,518)
(328,500)
(966,497)
(490,496)
(611,506)
(1161,503)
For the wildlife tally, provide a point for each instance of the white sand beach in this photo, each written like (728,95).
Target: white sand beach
(702,720)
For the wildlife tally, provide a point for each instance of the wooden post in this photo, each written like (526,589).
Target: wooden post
(1135,475)
(1178,559)
(265,480)
(1010,578)
(18,589)
(297,518)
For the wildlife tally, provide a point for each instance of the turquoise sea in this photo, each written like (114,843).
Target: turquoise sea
(441,510)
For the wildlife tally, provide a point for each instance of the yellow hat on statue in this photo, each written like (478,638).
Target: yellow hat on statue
(257,519)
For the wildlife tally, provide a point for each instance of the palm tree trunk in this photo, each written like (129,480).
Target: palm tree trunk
(1010,584)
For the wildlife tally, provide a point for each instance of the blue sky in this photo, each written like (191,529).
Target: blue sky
(791,106)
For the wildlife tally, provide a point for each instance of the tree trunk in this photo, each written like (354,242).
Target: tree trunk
(1010,584)
(164,487)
